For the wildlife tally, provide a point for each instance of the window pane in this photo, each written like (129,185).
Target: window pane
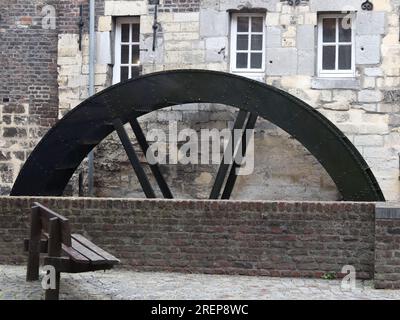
(124,73)
(344,57)
(134,72)
(124,54)
(256,61)
(135,32)
(135,54)
(329,30)
(241,60)
(242,42)
(256,42)
(243,24)
(345,30)
(328,57)
(257,24)
(125,32)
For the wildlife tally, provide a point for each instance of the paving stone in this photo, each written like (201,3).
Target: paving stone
(122,284)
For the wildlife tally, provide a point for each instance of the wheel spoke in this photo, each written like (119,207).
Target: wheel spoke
(224,167)
(155,169)
(133,158)
(230,182)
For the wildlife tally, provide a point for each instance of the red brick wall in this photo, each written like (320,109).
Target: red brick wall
(226,237)
(387,247)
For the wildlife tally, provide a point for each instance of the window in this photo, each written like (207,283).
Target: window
(247,43)
(127,53)
(336,52)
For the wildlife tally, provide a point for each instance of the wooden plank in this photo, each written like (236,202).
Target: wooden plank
(92,256)
(54,252)
(43,245)
(90,245)
(46,214)
(32,271)
(75,255)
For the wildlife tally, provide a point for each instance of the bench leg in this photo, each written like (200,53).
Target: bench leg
(32,271)
(53,294)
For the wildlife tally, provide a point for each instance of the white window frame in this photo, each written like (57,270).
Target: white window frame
(249,71)
(336,73)
(117,47)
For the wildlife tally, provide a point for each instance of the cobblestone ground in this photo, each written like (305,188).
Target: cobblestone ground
(123,284)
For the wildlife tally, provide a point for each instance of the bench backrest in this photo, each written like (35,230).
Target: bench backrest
(45,215)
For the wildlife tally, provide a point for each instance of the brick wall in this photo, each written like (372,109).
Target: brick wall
(387,247)
(227,237)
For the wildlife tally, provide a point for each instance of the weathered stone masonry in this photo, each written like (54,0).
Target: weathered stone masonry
(295,239)
(195,34)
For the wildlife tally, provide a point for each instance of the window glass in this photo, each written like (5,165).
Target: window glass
(242,42)
(344,30)
(124,32)
(256,42)
(344,57)
(329,58)
(256,60)
(125,54)
(124,73)
(135,32)
(241,60)
(329,30)
(257,24)
(135,54)
(243,24)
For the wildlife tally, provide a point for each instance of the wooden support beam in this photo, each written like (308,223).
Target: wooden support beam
(224,167)
(155,169)
(133,158)
(230,182)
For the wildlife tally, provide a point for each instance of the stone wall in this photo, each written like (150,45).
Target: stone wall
(387,246)
(195,34)
(295,239)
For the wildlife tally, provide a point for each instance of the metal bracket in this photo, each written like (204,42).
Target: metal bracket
(293,2)
(80,25)
(156,24)
(367,6)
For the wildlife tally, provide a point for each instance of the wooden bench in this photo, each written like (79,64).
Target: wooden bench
(72,253)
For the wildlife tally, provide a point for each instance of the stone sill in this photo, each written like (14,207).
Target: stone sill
(335,83)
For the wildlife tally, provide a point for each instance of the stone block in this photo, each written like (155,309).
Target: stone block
(103,51)
(269,5)
(339,83)
(273,37)
(305,37)
(272,19)
(368,49)
(214,23)
(216,48)
(370,96)
(306,62)
(281,61)
(337,5)
(371,23)
(368,140)
(105,23)
(125,8)
(185,16)
(373,72)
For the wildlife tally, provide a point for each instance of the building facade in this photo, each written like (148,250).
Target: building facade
(341,57)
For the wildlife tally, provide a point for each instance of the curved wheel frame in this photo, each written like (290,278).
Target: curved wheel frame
(56,157)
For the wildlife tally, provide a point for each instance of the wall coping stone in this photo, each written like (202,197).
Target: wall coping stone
(387,210)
